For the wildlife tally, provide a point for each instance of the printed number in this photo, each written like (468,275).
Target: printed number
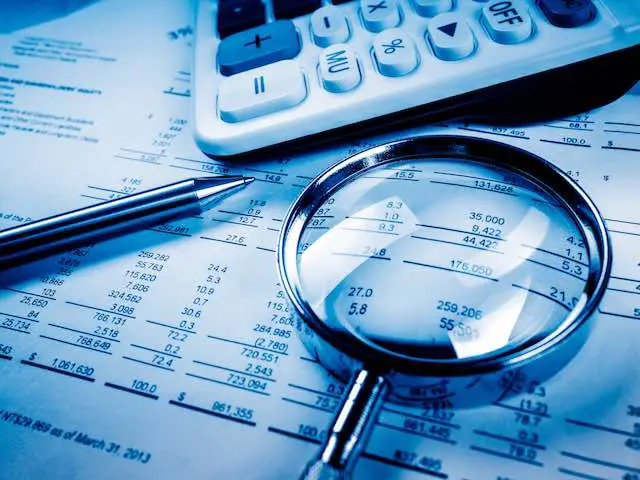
(357,308)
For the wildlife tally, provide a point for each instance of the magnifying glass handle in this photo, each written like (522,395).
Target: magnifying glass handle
(350,428)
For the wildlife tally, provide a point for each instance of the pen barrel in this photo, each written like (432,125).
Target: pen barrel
(91,224)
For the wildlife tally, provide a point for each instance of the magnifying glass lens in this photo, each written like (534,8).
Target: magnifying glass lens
(442,259)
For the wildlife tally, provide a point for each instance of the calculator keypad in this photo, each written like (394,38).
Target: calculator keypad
(263,77)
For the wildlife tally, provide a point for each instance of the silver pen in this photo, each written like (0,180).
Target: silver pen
(35,240)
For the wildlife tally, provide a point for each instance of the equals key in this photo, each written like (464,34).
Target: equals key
(258,84)
(261,91)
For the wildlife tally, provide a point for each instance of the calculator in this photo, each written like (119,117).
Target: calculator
(274,74)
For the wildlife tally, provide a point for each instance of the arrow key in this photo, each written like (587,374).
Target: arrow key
(450,36)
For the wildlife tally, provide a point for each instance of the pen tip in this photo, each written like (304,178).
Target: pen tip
(248,180)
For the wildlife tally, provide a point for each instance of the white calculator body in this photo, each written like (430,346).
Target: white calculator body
(273,72)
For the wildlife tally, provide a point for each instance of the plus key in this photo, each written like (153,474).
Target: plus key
(258,47)
(257,41)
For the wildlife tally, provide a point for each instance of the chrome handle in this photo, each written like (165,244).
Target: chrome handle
(350,429)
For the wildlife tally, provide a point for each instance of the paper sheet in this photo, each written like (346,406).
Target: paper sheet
(170,353)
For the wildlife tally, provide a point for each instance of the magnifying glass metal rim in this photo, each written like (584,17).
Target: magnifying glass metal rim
(380,370)
(540,172)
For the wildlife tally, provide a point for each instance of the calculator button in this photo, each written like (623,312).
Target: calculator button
(238,15)
(261,91)
(450,36)
(329,26)
(294,8)
(379,14)
(431,8)
(258,46)
(339,69)
(395,53)
(507,21)
(568,13)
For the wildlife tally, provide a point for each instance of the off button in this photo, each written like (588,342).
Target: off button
(568,13)
(507,21)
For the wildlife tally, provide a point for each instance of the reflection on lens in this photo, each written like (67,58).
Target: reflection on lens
(442,259)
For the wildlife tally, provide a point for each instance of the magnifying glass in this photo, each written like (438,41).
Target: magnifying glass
(437,257)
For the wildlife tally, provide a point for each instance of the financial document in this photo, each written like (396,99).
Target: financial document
(172,352)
